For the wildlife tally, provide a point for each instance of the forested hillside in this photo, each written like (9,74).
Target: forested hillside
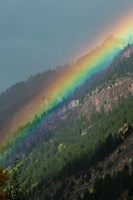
(21,100)
(84,149)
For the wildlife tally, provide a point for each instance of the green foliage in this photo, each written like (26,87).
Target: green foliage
(3,184)
(110,144)
(16,189)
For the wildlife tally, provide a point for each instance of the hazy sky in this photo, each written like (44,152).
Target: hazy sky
(38,34)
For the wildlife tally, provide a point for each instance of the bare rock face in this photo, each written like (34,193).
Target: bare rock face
(73,104)
(107,97)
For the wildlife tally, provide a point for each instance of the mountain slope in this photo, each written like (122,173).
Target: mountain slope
(61,146)
(67,147)
(85,89)
(18,108)
(78,186)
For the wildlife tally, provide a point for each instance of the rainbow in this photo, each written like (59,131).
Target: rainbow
(68,80)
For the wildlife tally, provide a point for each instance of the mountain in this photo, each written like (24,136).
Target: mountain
(84,133)
(90,146)
(20,103)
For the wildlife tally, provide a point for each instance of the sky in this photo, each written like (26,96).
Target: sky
(36,35)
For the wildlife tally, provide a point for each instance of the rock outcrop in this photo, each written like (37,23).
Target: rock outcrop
(109,95)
